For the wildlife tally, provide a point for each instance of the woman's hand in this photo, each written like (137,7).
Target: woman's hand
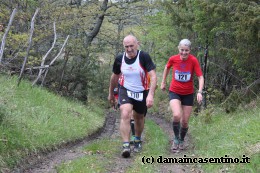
(199,97)
(163,86)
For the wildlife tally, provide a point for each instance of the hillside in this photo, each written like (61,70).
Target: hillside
(34,120)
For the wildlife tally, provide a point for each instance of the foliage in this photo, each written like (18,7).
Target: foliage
(230,29)
(237,98)
(77,19)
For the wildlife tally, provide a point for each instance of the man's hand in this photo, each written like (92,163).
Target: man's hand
(149,101)
(112,100)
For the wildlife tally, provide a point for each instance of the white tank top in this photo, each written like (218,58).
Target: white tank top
(134,76)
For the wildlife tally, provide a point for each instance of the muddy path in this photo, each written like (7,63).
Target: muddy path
(166,126)
(47,162)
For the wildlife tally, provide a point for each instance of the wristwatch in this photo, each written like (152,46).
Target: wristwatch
(199,92)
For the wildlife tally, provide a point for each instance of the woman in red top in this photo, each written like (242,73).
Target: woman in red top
(184,66)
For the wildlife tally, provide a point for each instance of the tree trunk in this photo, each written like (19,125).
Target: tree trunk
(91,35)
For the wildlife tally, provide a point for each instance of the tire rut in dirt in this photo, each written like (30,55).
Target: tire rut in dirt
(47,161)
(166,126)
(119,163)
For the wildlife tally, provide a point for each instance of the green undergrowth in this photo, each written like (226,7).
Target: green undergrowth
(34,120)
(231,136)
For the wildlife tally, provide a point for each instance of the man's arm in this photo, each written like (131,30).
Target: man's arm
(150,97)
(153,83)
(113,84)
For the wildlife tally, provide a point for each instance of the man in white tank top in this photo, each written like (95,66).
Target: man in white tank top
(136,94)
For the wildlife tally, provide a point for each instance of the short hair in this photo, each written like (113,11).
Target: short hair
(132,37)
(185,42)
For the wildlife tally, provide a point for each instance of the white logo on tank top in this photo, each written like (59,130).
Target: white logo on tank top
(133,75)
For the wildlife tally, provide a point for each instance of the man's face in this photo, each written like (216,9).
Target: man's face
(130,46)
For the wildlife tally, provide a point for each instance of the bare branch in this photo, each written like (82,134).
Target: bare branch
(60,50)
(4,36)
(29,46)
(39,67)
(46,55)
(55,59)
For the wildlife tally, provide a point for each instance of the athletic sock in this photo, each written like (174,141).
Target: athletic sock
(176,129)
(183,133)
(137,138)
(126,144)
(132,123)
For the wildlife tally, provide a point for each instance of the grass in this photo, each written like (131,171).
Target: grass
(234,135)
(33,120)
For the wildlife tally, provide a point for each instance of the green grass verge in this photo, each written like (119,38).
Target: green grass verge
(228,135)
(33,119)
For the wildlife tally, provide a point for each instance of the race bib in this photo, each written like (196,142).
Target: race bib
(182,76)
(134,95)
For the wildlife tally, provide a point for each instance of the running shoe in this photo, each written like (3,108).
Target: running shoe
(137,146)
(175,145)
(132,139)
(181,145)
(126,151)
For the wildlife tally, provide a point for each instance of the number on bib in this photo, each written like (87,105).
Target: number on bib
(134,95)
(182,76)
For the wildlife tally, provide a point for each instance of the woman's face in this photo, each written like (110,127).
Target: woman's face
(184,51)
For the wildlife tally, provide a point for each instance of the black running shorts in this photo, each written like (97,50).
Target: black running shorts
(138,106)
(186,100)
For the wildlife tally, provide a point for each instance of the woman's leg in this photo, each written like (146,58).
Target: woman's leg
(176,108)
(184,124)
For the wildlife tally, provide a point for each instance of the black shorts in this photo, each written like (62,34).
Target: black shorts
(138,106)
(186,100)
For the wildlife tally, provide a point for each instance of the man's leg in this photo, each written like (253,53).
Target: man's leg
(125,111)
(139,127)
(132,124)
(139,123)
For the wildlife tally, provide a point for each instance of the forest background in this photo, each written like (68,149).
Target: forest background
(224,36)
(83,37)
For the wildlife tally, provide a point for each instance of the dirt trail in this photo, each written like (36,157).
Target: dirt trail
(44,163)
(166,126)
